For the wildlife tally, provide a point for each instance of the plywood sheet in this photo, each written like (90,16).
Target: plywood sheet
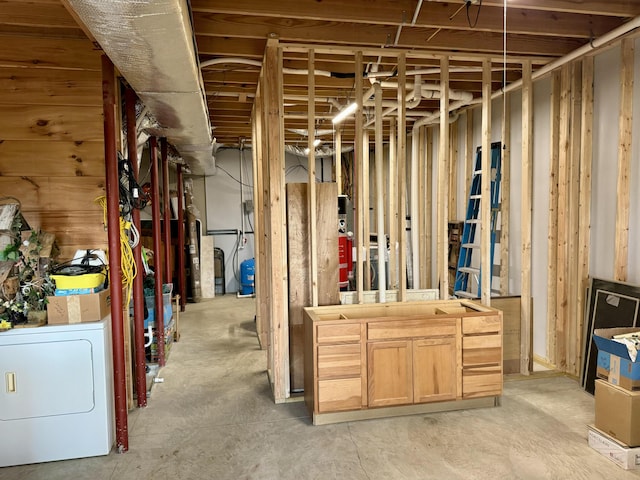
(57,194)
(510,307)
(47,52)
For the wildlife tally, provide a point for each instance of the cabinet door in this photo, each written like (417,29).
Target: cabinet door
(390,373)
(434,370)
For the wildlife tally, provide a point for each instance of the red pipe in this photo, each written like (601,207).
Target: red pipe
(167,211)
(138,290)
(182,280)
(157,246)
(113,233)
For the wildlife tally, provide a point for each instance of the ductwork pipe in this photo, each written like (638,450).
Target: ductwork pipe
(162,67)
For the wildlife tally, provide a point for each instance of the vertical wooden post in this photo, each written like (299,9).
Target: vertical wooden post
(552,268)
(402,175)
(358,162)
(421,208)
(505,195)
(526,323)
(562,300)
(393,206)
(276,229)
(428,200)
(157,247)
(485,189)
(621,252)
(382,237)
(311,168)
(338,159)
(113,227)
(166,211)
(366,211)
(584,221)
(182,280)
(138,290)
(443,180)
(574,202)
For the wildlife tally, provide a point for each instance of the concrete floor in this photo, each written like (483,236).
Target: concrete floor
(213,418)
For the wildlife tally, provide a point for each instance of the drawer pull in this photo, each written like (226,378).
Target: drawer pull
(11,382)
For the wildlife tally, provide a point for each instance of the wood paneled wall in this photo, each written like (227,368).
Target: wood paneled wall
(51,136)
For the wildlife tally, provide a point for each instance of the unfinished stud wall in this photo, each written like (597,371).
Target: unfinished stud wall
(51,136)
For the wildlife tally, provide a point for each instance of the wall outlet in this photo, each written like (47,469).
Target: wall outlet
(248,206)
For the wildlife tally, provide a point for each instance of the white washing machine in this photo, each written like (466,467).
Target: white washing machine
(56,400)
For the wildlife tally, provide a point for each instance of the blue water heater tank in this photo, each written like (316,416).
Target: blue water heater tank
(247,276)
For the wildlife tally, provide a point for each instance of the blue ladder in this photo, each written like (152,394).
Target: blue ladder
(465,269)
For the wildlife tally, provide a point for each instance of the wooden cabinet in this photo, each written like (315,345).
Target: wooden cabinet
(374,359)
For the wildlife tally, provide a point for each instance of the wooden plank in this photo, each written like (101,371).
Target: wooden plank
(366,209)
(277,222)
(443,181)
(526,329)
(26,86)
(428,200)
(327,243)
(311,169)
(574,198)
(562,300)
(402,175)
(51,159)
(621,234)
(71,226)
(49,52)
(421,208)
(584,220)
(393,205)
(552,247)
(379,164)
(358,160)
(47,122)
(337,162)
(485,202)
(505,195)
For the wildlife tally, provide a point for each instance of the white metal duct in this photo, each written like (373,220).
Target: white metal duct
(151,43)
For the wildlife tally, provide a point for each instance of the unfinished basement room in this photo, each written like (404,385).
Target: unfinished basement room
(319,239)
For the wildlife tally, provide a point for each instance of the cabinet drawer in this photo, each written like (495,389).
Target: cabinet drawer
(427,327)
(475,325)
(339,361)
(481,350)
(340,394)
(344,333)
(481,382)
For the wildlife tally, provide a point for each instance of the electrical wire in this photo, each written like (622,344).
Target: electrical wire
(127,260)
(477,13)
(233,178)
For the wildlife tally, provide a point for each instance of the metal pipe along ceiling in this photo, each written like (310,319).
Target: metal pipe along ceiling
(151,43)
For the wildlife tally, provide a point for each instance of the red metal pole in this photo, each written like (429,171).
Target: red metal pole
(181,273)
(115,272)
(157,246)
(138,290)
(167,211)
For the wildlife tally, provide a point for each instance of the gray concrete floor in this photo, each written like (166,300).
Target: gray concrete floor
(213,418)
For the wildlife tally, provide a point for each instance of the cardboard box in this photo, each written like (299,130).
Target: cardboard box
(625,457)
(614,363)
(618,413)
(78,308)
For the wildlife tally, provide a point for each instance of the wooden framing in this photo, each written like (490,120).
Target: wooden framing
(393,205)
(572,348)
(379,164)
(526,358)
(552,269)
(366,209)
(358,161)
(337,165)
(402,175)
(453,172)
(421,208)
(311,168)
(428,261)
(562,312)
(276,222)
(443,180)
(505,195)
(485,195)
(584,220)
(621,249)
(469,153)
